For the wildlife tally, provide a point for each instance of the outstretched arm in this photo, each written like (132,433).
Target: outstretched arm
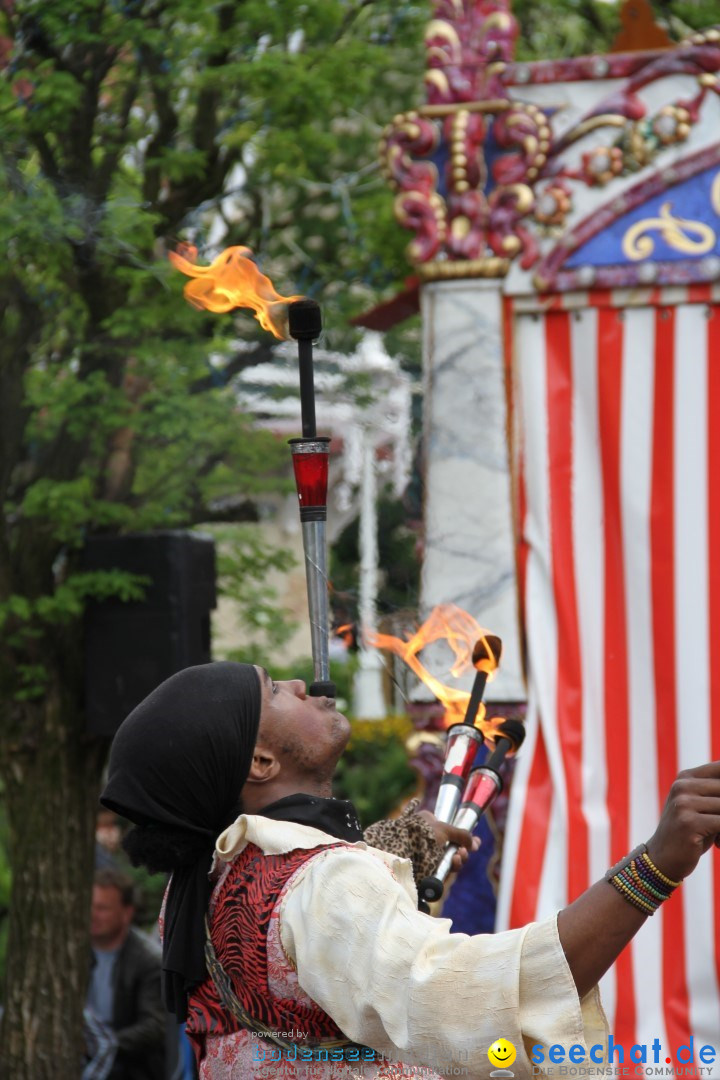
(596,927)
(398,981)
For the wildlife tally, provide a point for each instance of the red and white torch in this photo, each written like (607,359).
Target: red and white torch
(483,786)
(464,740)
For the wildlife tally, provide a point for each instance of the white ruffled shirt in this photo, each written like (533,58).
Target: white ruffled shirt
(396,980)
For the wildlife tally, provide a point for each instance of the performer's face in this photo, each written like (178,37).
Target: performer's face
(308,734)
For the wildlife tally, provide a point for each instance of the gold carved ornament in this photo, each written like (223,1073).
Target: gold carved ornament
(680,234)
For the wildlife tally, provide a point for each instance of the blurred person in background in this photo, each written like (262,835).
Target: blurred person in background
(124,1007)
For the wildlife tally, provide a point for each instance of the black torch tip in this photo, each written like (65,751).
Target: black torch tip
(304,320)
(488,647)
(509,736)
(322,688)
(513,731)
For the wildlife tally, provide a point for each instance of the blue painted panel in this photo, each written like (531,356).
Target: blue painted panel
(683,222)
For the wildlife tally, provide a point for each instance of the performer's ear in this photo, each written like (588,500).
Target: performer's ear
(265,766)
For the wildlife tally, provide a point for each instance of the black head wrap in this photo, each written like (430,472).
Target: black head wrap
(177,765)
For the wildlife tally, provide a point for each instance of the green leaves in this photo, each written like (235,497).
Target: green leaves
(56,96)
(244,563)
(25,622)
(69,509)
(67,601)
(125,128)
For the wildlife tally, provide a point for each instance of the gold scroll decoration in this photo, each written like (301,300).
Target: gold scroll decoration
(681,234)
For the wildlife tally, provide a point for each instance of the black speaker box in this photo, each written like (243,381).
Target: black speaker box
(130,648)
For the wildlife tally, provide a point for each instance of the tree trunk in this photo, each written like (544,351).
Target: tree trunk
(52,773)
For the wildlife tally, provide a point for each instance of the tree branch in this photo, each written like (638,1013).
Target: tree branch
(107,166)
(205,121)
(350,17)
(587,10)
(14,359)
(167,127)
(261,354)
(233,510)
(47,160)
(34,40)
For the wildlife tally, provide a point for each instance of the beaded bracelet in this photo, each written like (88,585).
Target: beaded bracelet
(641,883)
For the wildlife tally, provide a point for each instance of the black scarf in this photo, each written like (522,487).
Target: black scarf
(178,762)
(334,816)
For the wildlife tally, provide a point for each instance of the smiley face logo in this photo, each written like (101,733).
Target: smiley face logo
(502,1053)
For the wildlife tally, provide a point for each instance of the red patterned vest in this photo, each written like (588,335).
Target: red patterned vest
(239,928)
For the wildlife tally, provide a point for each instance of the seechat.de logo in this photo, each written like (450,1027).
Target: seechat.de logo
(502,1053)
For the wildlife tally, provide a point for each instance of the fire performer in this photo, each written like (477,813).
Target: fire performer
(316,961)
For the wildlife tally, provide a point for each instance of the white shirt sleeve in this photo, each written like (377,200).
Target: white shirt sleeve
(398,981)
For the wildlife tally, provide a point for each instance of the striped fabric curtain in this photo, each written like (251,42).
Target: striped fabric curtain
(617,415)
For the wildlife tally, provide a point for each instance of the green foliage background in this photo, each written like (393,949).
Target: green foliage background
(397,558)
(123,129)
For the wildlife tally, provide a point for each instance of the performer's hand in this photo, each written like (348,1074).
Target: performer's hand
(448,834)
(690,822)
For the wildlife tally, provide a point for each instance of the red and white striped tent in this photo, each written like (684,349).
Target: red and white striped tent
(618,422)
(567,242)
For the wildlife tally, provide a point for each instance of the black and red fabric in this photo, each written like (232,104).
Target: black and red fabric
(241,913)
(177,766)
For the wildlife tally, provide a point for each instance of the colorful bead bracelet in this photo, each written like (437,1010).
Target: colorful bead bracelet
(643,885)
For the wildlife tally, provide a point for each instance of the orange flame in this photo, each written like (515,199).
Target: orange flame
(231,281)
(461,631)
(346,632)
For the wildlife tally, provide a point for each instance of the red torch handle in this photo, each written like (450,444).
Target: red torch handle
(310,461)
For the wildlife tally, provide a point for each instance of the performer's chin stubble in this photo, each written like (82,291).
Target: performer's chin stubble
(319,772)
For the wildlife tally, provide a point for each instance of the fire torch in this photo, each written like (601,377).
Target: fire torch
(464,740)
(310,456)
(233,280)
(483,786)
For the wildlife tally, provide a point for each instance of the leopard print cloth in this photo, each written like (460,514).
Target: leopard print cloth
(410,837)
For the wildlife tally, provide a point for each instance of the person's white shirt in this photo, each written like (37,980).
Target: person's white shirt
(397,980)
